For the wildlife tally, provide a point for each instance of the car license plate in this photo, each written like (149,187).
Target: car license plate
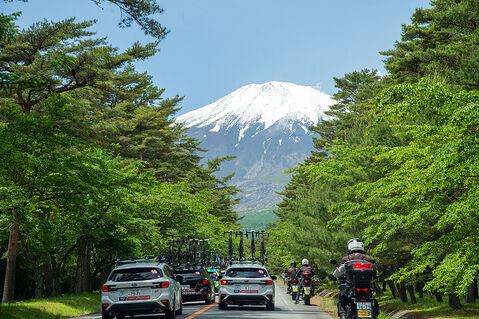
(242,291)
(188,291)
(364,309)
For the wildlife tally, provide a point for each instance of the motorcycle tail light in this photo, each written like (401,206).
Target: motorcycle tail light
(362,266)
(306,281)
(362,289)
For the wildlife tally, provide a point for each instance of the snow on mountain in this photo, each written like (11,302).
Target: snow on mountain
(266,127)
(265,103)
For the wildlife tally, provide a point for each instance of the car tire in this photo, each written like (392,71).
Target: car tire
(170,314)
(222,306)
(180,311)
(270,306)
(106,315)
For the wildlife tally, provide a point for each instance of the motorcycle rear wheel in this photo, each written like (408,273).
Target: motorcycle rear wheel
(293,295)
(307,299)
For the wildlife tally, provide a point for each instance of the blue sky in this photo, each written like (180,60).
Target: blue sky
(217,46)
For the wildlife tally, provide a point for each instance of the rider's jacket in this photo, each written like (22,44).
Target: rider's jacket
(304,271)
(291,271)
(340,270)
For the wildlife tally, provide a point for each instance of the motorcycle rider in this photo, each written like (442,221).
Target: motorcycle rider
(355,253)
(303,271)
(291,274)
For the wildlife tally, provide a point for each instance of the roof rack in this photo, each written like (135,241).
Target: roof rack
(150,259)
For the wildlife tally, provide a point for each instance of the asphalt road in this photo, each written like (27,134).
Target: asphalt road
(284,309)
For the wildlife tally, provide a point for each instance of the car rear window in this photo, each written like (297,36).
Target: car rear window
(136,274)
(189,274)
(247,273)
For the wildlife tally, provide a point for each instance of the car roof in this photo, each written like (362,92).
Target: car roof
(246,266)
(140,265)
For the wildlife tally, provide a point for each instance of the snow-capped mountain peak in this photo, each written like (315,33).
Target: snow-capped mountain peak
(266,103)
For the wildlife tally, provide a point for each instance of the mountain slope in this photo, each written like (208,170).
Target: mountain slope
(266,127)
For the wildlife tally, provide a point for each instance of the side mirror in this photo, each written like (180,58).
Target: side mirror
(332,261)
(274,277)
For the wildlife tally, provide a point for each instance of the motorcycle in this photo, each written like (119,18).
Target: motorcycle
(294,288)
(357,285)
(307,290)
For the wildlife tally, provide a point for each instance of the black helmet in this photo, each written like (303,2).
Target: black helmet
(293,264)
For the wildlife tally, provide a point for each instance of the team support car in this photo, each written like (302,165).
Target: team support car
(141,287)
(246,284)
(196,284)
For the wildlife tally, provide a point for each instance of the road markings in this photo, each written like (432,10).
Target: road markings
(200,311)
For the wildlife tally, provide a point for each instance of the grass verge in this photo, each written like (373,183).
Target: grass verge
(52,308)
(426,307)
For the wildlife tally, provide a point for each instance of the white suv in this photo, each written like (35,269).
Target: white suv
(246,284)
(141,287)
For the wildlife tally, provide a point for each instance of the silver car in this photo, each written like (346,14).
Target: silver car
(141,288)
(246,284)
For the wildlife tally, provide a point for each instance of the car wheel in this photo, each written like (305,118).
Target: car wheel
(222,306)
(270,306)
(180,311)
(106,315)
(170,314)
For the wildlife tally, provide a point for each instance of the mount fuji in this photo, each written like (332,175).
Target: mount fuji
(266,127)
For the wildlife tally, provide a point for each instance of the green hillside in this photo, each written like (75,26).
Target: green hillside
(258,220)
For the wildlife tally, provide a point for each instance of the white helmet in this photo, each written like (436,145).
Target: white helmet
(355,245)
(304,262)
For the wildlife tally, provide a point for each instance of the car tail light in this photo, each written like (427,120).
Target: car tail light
(165,302)
(362,289)
(163,284)
(226,282)
(267,283)
(105,288)
(362,266)
(104,306)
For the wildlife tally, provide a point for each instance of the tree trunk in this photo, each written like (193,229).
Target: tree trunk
(410,290)
(472,292)
(420,289)
(402,292)
(9,284)
(83,267)
(384,285)
(454,301)
(38,281)
(438,296)
(393,289)
(47,275)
